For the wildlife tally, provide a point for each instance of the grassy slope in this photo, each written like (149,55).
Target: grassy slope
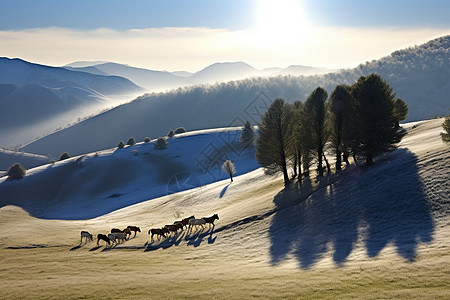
(42,259)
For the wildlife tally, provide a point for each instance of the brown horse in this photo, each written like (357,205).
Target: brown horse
(172,228)
(185,221)
(116,230)
(210,220)
(127,231)
(159,232)
(134,228)
(103,238)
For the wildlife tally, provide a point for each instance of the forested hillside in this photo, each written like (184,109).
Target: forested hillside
(419,75)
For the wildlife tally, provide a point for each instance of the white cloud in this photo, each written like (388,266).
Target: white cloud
(194,48)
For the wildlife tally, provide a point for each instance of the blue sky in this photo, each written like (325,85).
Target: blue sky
(263,33)
(231,14)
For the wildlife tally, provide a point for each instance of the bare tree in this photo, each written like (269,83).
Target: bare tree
(229,168)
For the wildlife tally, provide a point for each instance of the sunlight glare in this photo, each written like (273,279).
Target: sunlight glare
(280,22)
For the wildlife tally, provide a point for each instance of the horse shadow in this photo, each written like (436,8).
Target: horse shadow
(170,241)
(95,248)
(198,237)
(76,247)
(380,205)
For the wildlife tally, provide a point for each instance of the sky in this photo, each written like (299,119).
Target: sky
(177,35)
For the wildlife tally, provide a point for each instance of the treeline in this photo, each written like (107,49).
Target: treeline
(361,120)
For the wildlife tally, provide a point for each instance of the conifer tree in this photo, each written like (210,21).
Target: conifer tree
(161,143)
(64,156)
(401,111)
(273,142)
(376,125)
(247,135)
(131,141)
(314,128)
(340,118)
(16,171)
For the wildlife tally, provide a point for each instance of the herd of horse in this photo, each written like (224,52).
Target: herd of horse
(116,236)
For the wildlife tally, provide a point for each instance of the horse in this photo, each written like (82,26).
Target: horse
(179,224)
(158,231)
(172,228)
(119,236)
(134,228)
(127,231)
(185,221)
(103,238)
(87,236)
(196,222)
(116,230)
(112,237)
(210,220)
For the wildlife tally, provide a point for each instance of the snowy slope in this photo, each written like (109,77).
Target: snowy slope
(371,233)
(27,160)
(92,185)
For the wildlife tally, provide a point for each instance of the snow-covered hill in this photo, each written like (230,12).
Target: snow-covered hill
(419,75)
(27,160)
(380,232)
(91,185)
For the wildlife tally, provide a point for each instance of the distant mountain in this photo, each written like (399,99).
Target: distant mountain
(88,69)
(223,72)
(31,94)
(158,81)
(83,64)
(151,80)
(182,73)
(420,75)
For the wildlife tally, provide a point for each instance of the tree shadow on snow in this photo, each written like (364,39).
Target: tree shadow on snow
(224,190)
(380,205)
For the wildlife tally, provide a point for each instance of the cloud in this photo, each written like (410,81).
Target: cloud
(194,48)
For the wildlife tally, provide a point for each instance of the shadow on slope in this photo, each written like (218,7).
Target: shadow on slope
(88,187)
(384,204)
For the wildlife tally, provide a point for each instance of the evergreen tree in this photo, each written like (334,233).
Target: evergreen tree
(16,171)
(171,133)
(376,130)
(64,156)
(180,130)
(247,135)
(446,125)
(340,118)
(273,142)
(131,141)
(314,129)
(229,168)
(297,152)
(161,143)
(147,139)
(401,111)
(121,145)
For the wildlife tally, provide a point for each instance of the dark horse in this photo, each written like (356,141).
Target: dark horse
(134,228)
(159,232)
(210,220)
(104,238)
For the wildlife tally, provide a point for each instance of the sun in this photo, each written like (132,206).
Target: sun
(280,21)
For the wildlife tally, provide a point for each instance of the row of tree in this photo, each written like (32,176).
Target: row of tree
(359,120)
